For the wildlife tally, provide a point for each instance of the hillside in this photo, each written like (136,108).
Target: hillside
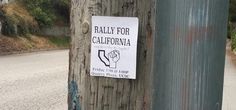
(21,44)
(17,9)
(21,31)
(16,20)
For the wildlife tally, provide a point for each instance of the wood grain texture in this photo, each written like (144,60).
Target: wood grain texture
(99,93)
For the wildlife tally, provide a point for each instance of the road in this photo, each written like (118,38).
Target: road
(38,81)
(34,81)
(229,97)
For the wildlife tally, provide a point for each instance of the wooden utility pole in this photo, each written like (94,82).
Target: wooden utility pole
(99,93)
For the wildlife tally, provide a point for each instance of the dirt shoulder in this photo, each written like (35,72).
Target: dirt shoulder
(13,45)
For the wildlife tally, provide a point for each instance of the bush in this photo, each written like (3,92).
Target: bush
(41,11)
(233,37)
(16,21)
(47,11)
(60,41)
(43,18)
(9,27)
(232,10)
(15,25)
(62,8)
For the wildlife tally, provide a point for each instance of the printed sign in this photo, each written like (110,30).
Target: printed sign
(114,47)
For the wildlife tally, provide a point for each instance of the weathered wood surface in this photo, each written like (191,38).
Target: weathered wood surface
(98,93)
(0,27)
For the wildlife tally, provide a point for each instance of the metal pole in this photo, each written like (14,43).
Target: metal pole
(189,54)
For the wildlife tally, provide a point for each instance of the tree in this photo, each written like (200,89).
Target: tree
(98,93)
(232,10)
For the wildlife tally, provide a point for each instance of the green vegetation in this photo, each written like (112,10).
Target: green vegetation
(232,19)
(46,12)
(24,17)
(232,11)
(22,21)
(8,27)
(60,41)
(16,21)
(233,37)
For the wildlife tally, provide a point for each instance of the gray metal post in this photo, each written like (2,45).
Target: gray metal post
(189,54)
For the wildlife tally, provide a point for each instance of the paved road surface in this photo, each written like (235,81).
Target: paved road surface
(229,100)
(38,81)
(34,81)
